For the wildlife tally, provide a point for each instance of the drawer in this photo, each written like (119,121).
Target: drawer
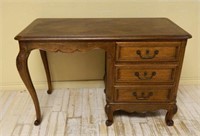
(140,73)
(147,51)
(142,94)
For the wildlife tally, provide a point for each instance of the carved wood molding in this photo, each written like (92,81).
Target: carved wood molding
(130,108)
(70,47)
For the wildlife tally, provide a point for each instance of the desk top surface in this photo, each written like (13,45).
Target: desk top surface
(102,29)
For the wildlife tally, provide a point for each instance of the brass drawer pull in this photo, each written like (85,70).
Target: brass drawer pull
(145,77)
(147,56)
(143,96)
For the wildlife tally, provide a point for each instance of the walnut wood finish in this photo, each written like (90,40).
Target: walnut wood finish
(145,73)
(148,51)
(22,67)
(144,58)
(143,94)
(46,67)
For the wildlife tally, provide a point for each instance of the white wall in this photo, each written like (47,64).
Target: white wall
(198,44)
(1,49)
(17,14)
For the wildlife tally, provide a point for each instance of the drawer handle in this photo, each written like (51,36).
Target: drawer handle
(145,77)
(143,96)
(147,56)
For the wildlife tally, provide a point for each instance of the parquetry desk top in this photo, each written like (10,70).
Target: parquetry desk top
(102,29)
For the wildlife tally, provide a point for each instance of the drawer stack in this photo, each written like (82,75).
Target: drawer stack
(145,71)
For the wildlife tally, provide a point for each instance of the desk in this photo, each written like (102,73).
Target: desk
(144,58)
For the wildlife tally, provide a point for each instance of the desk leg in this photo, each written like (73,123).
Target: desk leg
(170,114)
(109,112)
(109,85)
(25,76)
(46,67)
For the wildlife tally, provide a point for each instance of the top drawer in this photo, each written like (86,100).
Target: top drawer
(147,51)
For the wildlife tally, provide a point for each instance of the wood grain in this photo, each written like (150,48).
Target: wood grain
(166,51)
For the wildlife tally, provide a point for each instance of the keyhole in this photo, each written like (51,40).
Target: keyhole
(147,52)
(145,73)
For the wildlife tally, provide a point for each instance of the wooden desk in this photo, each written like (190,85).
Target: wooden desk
(144,58)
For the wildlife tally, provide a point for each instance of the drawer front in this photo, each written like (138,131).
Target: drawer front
(142,94)
(147,51)
(145,73)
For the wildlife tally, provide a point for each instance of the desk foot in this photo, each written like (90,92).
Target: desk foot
(169,122)
(170,114)
(37,122)
(109,122)
(49,91)
(109,113)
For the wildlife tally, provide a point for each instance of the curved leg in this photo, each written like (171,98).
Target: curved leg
(25,76)
(170,114)
(109,113)
(46,67)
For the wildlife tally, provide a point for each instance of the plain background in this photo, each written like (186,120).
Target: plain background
(15,15)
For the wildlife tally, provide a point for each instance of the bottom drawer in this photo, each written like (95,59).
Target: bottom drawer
(144,94)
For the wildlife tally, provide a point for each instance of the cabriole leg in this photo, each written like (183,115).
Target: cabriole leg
(46,67)
(170,113)
(25,76)
(109,113)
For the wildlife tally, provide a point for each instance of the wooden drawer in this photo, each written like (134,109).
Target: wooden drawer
(147,51)
(141,73)
(142,94)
